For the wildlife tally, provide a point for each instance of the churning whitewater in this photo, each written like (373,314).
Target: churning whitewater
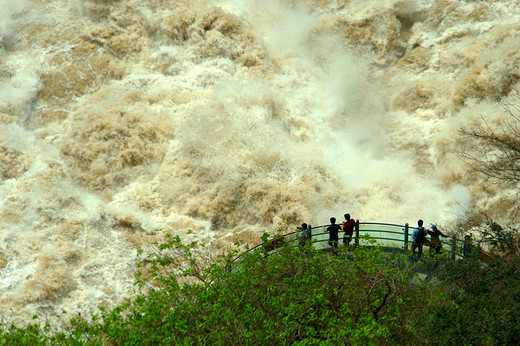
(124,121)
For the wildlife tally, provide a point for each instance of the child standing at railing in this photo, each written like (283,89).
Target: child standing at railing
(304,235)
(333,230)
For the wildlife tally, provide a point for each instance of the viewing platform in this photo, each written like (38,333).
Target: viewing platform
(391,237)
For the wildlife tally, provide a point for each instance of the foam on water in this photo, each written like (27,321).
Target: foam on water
(122,121)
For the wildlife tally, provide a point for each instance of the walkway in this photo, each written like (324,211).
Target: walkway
(392,237)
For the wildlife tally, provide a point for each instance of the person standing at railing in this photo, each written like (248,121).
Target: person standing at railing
(468,246)
(419,239)
(304,235)
(435,234)
(348,228)
(333,230)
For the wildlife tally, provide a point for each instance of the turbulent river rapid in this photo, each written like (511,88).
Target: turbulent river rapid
(122,121)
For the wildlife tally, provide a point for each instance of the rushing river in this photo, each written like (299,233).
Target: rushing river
(122,121)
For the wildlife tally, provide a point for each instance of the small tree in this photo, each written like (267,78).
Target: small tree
(497,153)
(503,240)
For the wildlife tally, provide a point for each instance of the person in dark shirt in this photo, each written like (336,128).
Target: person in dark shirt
(419,239)
(348,228)
(468,246)
(333,230)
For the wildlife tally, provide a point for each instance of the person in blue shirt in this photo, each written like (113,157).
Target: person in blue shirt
(419,239)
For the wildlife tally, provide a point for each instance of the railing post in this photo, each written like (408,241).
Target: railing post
(356,229)
(406,236)
(453,247)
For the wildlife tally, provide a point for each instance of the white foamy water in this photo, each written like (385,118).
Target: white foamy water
(122,121)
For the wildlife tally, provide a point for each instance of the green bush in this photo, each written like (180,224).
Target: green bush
(483,305)
(299,296)
(296,295)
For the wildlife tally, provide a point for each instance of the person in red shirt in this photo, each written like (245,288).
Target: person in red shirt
(348,228)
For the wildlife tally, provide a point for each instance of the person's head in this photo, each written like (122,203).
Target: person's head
(347,217)
(420,223)
(332,220)
(433,225)
(304,226)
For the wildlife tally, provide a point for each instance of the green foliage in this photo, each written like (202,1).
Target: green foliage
(294,295)
(503,240)
(31,335)
(482,305)
(298,295)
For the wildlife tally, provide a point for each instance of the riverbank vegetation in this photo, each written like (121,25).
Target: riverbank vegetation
(300,295)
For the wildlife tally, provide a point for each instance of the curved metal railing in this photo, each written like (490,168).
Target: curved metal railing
(390,236)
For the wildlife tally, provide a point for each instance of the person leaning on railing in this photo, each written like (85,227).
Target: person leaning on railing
(305,233)
(435,234)
(333,230)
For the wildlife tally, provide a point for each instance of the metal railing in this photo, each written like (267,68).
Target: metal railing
(388,235)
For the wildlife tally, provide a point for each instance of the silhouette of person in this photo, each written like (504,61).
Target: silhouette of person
(348,228)
(468,246)
(333,230)
(419,239)
(304,235)
(435,240)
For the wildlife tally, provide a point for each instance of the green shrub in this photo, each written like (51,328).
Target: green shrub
(298,296)
(483,305)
